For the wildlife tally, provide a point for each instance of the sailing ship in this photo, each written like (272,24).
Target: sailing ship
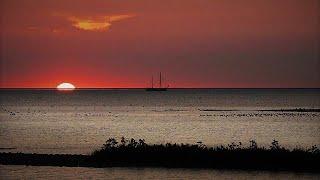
(160,88)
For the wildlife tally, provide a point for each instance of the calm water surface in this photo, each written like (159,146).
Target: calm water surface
(43,172)
(49,121)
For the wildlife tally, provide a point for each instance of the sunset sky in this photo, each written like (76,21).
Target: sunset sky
(194,43)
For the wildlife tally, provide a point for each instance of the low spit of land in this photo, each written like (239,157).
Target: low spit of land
(137,153)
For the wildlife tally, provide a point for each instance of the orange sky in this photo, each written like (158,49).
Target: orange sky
(195,43)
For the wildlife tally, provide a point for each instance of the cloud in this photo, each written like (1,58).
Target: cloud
(89,24)
(119,17)
(62,24)
(99,24)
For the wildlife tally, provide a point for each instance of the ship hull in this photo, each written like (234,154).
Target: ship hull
(156,89)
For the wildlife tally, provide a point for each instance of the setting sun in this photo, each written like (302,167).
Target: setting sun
(66,86)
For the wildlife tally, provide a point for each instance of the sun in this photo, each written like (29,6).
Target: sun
(66,87)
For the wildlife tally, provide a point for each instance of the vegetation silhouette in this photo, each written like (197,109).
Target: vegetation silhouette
(137,153)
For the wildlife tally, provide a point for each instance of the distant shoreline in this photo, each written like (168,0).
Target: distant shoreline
(136,153)
(266,110)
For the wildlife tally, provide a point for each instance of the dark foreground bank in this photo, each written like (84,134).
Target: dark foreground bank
(128,153)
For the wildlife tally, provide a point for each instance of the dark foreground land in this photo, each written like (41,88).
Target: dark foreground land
(139,154)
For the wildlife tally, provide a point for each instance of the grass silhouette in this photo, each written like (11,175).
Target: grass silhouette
(137,153)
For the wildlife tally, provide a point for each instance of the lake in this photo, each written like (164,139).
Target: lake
(50,121)
(80,121)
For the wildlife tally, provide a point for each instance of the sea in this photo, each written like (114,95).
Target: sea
(80,121)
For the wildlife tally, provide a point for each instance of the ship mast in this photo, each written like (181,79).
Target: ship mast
(151,81)
(160,81)
(157,86)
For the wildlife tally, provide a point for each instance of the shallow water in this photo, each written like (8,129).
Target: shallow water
(49,121)
(43,172)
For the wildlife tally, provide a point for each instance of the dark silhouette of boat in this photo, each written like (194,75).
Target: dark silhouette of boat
(160,88)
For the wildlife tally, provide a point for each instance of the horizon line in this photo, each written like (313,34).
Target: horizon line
(142,88)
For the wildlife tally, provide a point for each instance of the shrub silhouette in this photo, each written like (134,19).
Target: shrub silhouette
(137,153)
(275,145)
(253,144)
(131,152)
